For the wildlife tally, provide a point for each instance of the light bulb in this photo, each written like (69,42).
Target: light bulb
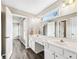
(71,1)
(63,5)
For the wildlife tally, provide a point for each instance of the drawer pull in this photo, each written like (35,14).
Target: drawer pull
(53,53)
(56,55)
(70,56)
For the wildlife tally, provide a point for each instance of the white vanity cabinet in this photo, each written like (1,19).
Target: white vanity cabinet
(51,50)
(53,55)
(54,52)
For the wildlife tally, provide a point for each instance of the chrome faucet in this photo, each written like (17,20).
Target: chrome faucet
(61,40)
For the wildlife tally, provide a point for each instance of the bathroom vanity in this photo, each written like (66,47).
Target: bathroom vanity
(54,48)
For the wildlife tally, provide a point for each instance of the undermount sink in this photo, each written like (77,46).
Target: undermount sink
(66,43)
(60,41)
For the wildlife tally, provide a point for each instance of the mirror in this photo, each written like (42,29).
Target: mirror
(63,28)
(51,29)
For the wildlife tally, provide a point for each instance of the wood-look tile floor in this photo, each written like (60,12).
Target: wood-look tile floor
(19,52)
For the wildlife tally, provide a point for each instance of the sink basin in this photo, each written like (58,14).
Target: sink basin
(65,43)
(60,42)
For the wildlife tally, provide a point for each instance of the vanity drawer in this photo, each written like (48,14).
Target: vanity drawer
(70,55)
(56,49)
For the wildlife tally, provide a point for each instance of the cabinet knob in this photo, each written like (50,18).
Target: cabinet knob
(53,53)
(72,34)
(70,56)
(56,55)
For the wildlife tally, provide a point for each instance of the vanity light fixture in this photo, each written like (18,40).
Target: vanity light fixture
(63,5)
(71,1)
(67,2)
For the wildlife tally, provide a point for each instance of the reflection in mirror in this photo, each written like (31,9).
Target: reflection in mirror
(62,29)
(45,30)
(71,29)
(51,29)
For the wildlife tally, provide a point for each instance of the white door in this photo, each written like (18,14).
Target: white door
(9,33)
(49,54)
(25,32)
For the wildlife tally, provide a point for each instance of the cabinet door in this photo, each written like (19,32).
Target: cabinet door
(32,44)
(49,54)
(58,56)
(70,55)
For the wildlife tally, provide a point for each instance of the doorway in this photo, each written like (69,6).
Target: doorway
(17,26)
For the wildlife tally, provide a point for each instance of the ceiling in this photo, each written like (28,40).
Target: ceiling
(30,6)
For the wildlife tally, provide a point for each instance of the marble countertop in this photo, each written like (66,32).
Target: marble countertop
(68,44)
